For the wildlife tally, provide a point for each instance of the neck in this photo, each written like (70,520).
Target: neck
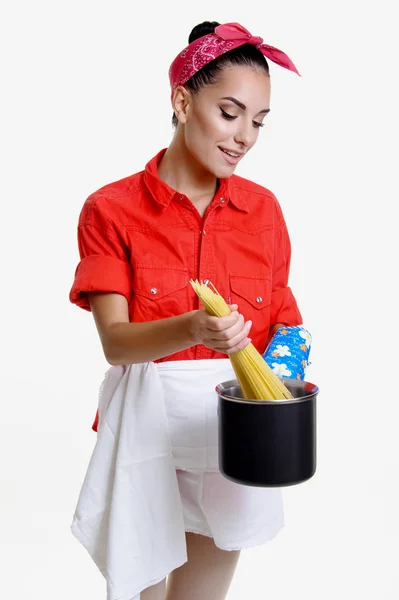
(181,171)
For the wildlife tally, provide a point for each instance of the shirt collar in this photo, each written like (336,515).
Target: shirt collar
(163,193)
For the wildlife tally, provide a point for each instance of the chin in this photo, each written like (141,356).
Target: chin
(222,172)
(225,172)
(215,168)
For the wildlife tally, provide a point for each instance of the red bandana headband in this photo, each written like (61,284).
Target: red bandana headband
(208,47)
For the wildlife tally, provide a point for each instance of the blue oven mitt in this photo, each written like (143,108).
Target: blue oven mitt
(288,352)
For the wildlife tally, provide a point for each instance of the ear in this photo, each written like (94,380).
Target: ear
(181,103)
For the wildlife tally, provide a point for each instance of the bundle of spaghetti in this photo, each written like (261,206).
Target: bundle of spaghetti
(256,378)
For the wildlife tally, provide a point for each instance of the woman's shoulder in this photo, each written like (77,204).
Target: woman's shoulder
(108,200)
(251,187)
(254,193)
(119,188)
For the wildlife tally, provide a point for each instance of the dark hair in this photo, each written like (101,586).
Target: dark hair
(246,55)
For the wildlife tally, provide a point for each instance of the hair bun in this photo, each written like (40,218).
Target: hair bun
(202,29)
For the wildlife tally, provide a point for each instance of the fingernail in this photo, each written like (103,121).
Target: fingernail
(249,323)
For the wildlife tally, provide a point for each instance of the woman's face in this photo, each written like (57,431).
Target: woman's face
(222,121)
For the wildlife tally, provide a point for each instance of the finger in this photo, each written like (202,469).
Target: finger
(245,342)
(240,342)
(222,323)
(234,339)
(227,327)
(240,346)
(233,331)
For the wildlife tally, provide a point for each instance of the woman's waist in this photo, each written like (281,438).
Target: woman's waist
(206,364)
(194,353)
(193,377)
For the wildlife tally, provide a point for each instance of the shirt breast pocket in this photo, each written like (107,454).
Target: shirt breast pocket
(253,296)
(159,292)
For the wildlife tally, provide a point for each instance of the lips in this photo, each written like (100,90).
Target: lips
(231,160)
(231,151)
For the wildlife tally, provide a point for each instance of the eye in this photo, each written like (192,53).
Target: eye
(226,115)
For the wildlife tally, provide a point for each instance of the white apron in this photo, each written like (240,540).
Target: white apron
(129,514)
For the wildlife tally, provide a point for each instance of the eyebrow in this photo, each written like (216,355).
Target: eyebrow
(241,105)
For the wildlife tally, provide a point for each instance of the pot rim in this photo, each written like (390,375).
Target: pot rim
(294,382)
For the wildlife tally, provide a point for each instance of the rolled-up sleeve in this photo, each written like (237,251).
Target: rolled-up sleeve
(284,307)
(104,264)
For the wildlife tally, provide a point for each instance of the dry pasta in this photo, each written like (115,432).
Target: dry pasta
(256,379)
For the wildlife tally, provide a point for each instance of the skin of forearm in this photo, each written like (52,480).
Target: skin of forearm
(130,343)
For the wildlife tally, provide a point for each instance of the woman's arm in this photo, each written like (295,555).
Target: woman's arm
(128,343)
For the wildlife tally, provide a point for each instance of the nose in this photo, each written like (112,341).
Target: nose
(246,133)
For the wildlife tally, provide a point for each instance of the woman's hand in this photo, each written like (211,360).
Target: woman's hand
(222,334)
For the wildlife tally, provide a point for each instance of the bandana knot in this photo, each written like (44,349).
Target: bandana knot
(212,45)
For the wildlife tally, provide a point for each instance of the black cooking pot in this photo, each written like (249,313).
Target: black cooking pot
(267,443)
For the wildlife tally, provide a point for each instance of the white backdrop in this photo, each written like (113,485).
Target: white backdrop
(85,101)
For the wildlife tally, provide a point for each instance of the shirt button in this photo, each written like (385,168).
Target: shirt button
(204,232)
(206,281)
(181,198)
(222,200)
(259,299)
(153,291)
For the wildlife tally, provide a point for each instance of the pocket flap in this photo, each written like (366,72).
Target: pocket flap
(156,282)
(255,290)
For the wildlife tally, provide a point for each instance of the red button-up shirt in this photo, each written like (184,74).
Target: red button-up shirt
(140,238)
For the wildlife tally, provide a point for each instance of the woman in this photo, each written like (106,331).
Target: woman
(186,216)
